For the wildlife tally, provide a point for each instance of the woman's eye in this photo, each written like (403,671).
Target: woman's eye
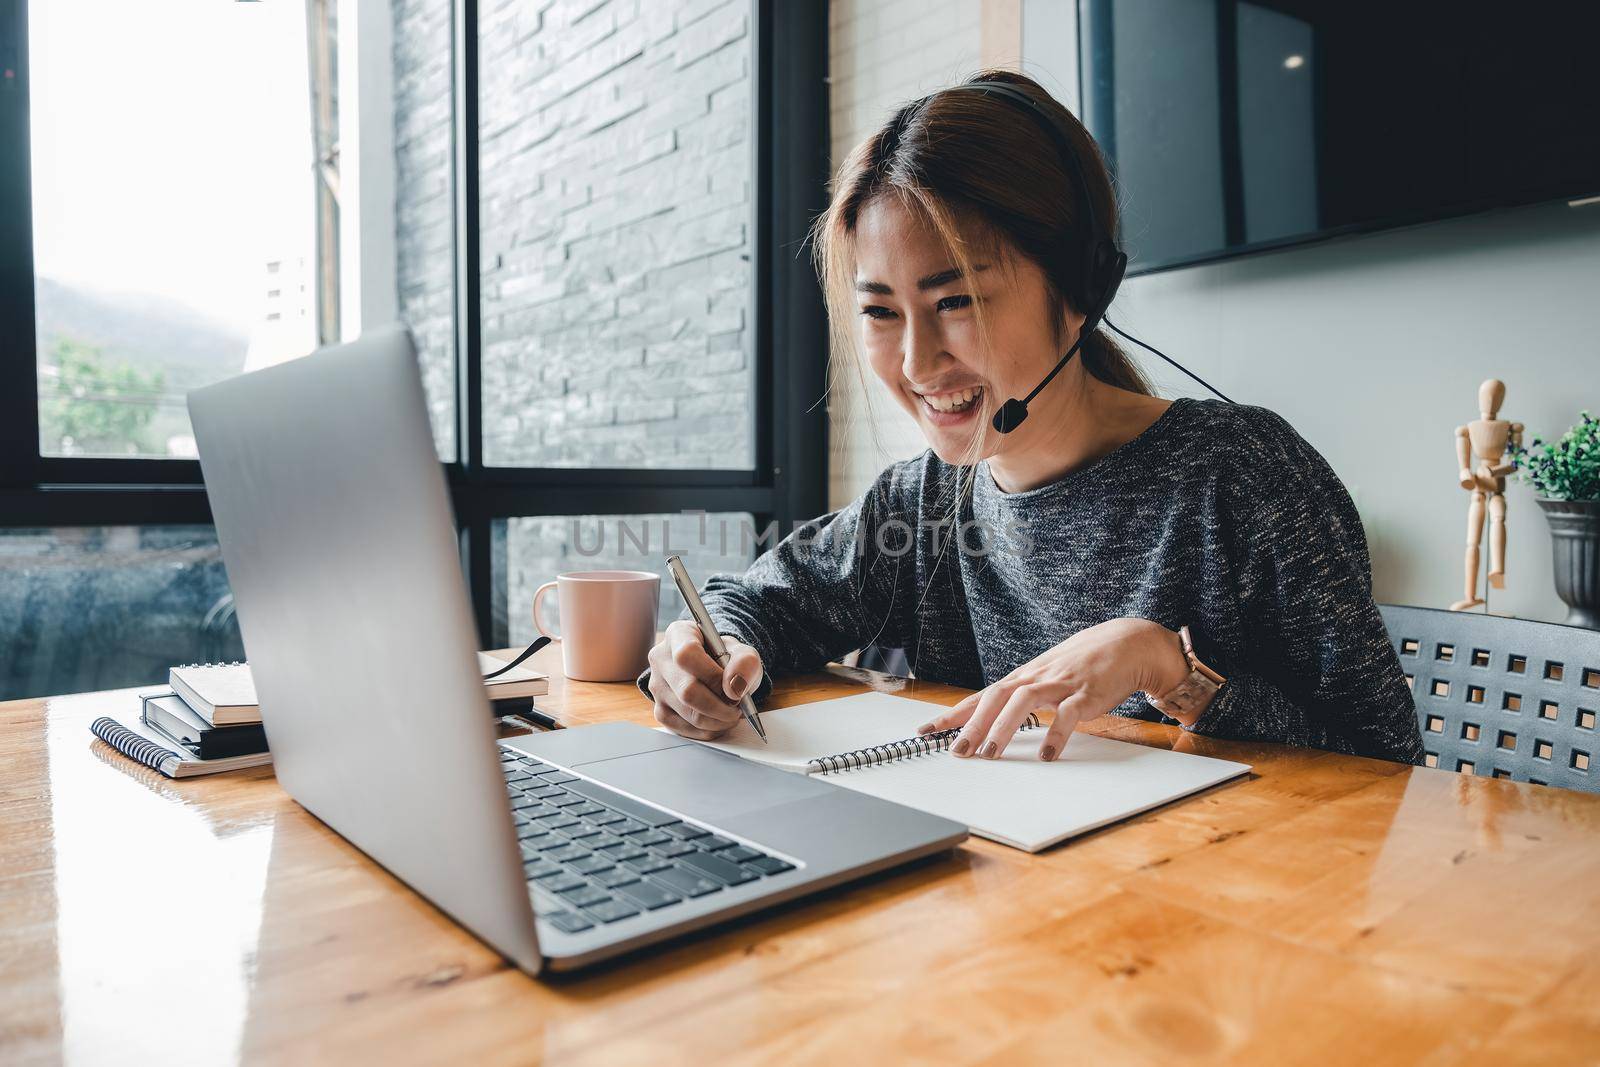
(954,303)
(876,311)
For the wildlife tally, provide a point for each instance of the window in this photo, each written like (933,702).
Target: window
(172,191)
(616,234)
(585,214)
(101,607)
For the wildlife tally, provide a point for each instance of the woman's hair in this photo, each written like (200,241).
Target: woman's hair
(992,184)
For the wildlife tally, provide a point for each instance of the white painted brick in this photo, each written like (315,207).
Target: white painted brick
(615,199)
(881,54)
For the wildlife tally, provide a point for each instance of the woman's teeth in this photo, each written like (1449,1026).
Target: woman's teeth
(960,400)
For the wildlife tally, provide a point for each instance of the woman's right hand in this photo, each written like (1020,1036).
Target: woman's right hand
(694,696)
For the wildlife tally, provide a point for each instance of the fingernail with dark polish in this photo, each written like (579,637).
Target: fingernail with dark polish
(961,747)
(1047,753)
(925,728)
(989,750)
(736,687)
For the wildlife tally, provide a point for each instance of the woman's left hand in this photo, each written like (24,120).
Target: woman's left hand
(1082,678)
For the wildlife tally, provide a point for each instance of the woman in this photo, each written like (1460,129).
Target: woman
(1053,567)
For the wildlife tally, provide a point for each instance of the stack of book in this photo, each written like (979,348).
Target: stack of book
(210,721)
(511,690)
(211,711)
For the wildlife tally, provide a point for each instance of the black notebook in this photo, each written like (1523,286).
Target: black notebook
(170,716)
(145,744)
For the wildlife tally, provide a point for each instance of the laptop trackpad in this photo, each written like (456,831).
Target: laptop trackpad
(703,783)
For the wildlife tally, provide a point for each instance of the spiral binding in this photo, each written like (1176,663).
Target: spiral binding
(229,663)
(877,755)
(139,749)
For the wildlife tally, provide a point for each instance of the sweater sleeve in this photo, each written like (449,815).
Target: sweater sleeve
(1316,667)
(826,589)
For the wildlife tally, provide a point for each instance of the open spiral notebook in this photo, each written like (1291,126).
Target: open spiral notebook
(868,743)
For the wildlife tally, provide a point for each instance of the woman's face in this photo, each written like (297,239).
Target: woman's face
(920,333)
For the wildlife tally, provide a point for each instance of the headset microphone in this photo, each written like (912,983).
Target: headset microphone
(1107,265)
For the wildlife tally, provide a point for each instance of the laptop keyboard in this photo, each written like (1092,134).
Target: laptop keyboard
(608,857)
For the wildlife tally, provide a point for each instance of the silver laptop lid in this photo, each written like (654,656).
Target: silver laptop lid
(335,525)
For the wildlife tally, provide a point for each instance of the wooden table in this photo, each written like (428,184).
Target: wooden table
(1327,909)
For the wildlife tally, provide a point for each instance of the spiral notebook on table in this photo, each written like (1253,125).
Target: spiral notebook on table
(868,743)
(145,744)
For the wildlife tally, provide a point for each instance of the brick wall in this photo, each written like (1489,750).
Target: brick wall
(615,172)
(616,233)
(424,248)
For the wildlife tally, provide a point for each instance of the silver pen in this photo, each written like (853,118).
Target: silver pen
(708,630)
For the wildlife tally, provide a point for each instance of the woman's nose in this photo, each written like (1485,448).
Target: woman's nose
(923,347)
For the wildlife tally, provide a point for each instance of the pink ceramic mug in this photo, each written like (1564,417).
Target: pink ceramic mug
(608,622)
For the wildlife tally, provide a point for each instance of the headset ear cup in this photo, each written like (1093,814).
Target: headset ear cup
(1103,276)
(1093,270)
(1118,267)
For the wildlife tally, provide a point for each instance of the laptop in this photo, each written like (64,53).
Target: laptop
(558,849)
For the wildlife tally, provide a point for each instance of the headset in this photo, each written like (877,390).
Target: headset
(1103,262)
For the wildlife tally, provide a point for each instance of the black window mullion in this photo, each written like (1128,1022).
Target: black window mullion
(19,364)
(792,172)
(103,505)
(469,310)
(111,470)
(767,405)
(472,520)
(509,501)
(621,479)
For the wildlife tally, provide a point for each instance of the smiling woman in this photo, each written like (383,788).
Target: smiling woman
(1115,552)
(940,251)
(953,342)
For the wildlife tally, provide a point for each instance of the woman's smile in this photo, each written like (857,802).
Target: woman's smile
(949,407)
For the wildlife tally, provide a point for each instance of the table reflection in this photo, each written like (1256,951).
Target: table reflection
(158,907)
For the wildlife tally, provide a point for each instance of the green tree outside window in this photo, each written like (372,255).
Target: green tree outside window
(96,406)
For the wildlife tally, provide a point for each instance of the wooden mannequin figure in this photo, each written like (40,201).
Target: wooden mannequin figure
(1490,438)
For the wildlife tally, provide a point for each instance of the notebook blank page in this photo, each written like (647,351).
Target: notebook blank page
(1021,801)
(827,727)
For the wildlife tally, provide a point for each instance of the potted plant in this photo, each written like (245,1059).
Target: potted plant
(1566,477)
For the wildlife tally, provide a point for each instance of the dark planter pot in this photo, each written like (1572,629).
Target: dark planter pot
(1575,551)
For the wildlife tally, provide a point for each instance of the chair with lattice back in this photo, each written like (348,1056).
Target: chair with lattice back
(1502,698)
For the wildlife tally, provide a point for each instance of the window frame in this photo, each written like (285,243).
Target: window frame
(787,482)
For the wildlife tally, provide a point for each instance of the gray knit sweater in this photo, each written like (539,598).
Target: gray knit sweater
(1218,516)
